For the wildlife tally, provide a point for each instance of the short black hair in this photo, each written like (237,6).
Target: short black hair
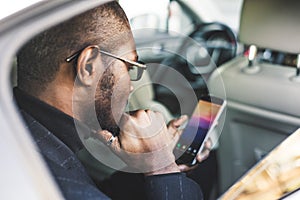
(40,58)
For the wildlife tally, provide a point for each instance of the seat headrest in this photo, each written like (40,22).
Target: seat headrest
(272,24)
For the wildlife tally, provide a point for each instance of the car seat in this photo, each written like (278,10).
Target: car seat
(263,95)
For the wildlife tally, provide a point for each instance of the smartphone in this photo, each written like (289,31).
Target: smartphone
(198,129)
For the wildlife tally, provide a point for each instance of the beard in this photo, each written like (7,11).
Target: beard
(103,103)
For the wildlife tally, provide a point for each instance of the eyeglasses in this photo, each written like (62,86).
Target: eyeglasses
(136,69)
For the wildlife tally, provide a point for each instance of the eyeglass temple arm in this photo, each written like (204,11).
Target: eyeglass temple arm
(69,59)
(124,59)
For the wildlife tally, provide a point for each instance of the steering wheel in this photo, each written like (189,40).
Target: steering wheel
(208,46)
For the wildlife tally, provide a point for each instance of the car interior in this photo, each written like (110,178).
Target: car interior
(262,97)
(261,90)
(257,71)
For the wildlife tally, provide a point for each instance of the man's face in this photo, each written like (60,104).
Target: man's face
(113,89)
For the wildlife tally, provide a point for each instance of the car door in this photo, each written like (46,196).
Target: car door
(23,172)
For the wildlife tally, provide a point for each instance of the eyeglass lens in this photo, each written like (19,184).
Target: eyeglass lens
(135,73)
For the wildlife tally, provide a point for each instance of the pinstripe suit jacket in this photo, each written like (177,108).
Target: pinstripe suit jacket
(72,178)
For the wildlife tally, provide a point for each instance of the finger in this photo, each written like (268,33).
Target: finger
(125,118)
(157,121)
(176,132)
(208,144)
(137,119)
(104,136)
(203,155)
(175,137)
(132,112)
(142,118)
(157,115)
(185,168)
(180,121)
(176,123)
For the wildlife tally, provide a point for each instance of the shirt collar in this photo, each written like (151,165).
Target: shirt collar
(60,124)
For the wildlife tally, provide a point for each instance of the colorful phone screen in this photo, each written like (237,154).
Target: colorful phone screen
(197,128)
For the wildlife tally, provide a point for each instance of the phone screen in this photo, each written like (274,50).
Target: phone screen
(196,130)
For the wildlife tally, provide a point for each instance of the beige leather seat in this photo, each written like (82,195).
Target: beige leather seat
(263,101)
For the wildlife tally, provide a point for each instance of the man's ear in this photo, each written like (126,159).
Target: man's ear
(88,64)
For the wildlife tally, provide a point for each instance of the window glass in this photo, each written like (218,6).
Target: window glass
(224,11)
(180,21)
(13,6)
(146,14)
(154,14)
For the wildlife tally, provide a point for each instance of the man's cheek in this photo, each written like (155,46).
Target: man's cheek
(119,99)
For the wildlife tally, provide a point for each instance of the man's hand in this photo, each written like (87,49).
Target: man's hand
(200,157)
(144,143)
(173,127)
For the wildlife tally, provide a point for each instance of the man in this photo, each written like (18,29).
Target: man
(71,79)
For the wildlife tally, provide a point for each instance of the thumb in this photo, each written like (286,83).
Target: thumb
(180,121)
(183,168)
(175,124)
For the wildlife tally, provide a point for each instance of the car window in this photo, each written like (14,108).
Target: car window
(154,14)
(22,166)
(158,14)
(14,6)
(146,14)
(227,12)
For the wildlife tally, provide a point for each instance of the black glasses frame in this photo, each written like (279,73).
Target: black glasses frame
(140,66)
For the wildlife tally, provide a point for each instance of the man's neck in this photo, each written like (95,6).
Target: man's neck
(62,125)
(58,97)
(59,92)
